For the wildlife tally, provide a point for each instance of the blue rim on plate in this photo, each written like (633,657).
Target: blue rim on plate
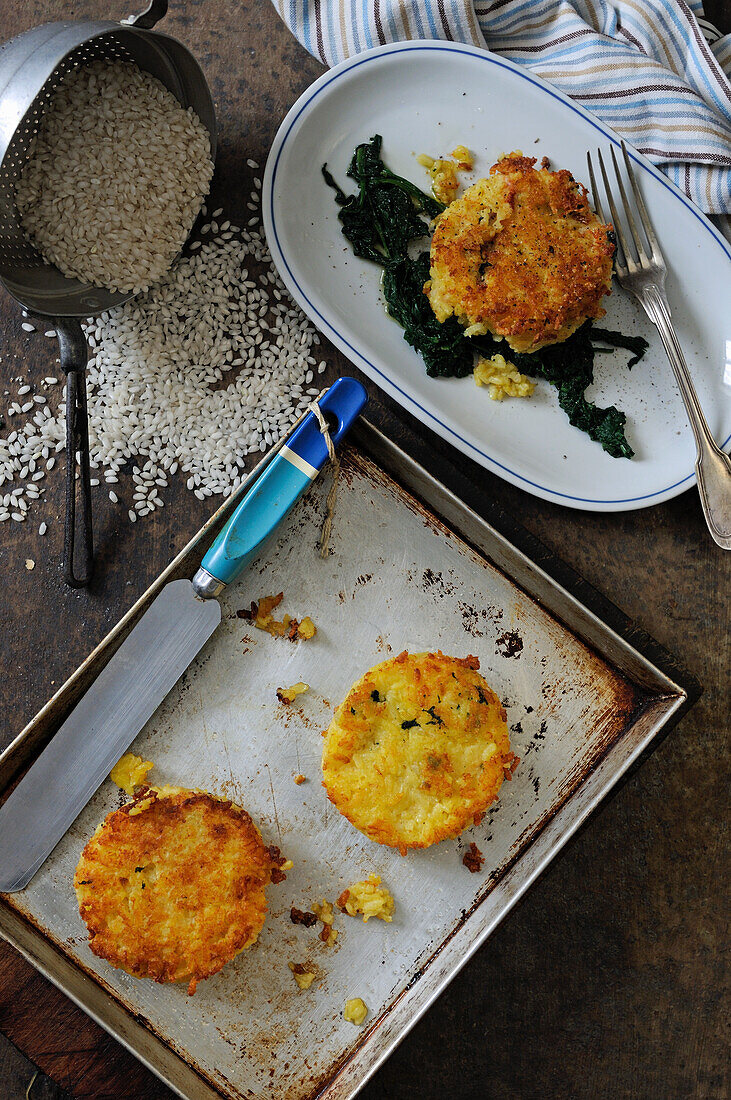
(301,295)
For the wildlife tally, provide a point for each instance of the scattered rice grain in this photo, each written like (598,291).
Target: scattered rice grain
(203,370)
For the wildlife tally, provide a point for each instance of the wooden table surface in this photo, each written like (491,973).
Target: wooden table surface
(608,980)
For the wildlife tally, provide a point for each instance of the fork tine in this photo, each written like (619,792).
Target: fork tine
(644,216)
(594,190)
(628,258)
(638,242)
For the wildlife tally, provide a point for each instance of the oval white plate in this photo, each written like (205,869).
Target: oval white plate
(428,97)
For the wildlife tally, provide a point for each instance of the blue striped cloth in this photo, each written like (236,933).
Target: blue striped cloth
(654,70)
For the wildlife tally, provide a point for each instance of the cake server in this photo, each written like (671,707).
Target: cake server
(157,651)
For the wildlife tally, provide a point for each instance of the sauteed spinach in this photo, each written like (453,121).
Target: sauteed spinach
(381,220)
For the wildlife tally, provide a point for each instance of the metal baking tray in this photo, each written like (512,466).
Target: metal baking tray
(412,567)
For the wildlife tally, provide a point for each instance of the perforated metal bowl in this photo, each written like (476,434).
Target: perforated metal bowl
(31,68)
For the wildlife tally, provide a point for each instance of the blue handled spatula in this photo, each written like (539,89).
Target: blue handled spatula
(156,653)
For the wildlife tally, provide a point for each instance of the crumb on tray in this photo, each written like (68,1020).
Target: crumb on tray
(300,779)
(368,898)
(287,695)
(510,763)
(130,772)
(355,1010)
(307,628)
(302,916)
(280,864)
(473,859)
(260,614)
(326,914)
(302,975)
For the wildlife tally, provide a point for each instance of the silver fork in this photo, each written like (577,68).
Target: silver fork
(645,278)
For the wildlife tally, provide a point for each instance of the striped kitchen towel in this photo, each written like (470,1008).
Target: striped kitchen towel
(655,70)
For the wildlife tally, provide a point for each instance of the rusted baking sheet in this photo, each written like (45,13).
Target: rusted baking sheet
(582,705)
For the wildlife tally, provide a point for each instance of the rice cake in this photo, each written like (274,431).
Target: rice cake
(522,256)
(171,886)
(417,751)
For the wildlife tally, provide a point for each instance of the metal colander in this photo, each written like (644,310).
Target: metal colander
(31,68)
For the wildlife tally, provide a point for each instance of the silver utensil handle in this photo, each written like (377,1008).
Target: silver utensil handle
(713,467)
(78,553)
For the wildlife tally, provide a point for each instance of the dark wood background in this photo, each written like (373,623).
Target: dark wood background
(609,980)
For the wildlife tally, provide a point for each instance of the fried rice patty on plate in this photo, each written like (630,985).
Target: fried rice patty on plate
(417,751)
(521,255)
(172,885)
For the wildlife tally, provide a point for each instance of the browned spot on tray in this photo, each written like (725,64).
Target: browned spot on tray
(435,582)
(473,859)
(509,644)
(470,619)
(295,713)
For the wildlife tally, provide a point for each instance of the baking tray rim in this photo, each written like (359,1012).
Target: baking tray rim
(352,1072)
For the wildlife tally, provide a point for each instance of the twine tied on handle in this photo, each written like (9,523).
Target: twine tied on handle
(333,490)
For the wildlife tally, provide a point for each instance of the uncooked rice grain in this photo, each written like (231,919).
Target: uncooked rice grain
(204,369)
(115,178)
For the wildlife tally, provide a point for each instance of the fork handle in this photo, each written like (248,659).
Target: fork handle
(713,467)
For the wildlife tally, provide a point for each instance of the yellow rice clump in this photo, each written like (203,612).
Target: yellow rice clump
(355,1010)
(368,898)
(302,975)
(445,181)
(130,771)
(288,695)
(503,378)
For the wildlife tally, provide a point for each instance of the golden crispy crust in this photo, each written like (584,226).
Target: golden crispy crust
(171,887)
(417,751)
(521,255)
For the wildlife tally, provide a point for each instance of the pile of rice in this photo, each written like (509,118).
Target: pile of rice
(116,177)
(213,363)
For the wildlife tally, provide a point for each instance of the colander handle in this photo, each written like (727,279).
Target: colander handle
(153,13)
(78,552)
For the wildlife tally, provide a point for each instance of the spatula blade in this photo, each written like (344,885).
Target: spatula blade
(147,665)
